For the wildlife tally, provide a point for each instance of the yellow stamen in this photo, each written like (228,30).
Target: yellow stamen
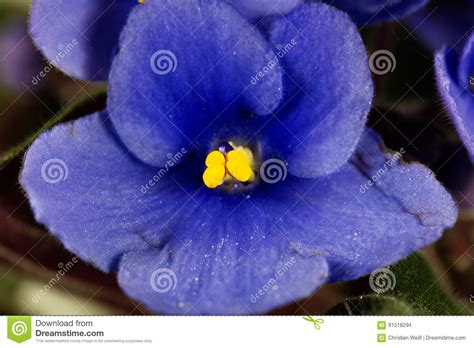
(238,165)
(214,176)
(235,165)
(215,158)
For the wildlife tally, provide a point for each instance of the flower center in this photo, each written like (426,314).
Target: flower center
(230,166)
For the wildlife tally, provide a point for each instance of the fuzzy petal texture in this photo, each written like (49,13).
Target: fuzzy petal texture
(90,196)
(79,36)
(466,64)
(83,186)
(220,277)
(189,70)
(253,9)
(366,12)
(457,94)
(326,104)
(220,250)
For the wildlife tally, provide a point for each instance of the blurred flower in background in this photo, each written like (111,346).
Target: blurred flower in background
(443,23)
(19,60)
(365,12)
(455,78)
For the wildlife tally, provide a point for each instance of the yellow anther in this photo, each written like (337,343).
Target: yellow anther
(215,158)
(214,176)
(235,165)
(238,165)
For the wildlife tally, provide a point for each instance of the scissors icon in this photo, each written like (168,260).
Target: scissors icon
(316,322)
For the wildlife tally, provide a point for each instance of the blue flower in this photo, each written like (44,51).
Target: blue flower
(81,36)
(366,12)
(254,9)
(295,194)
(455,79)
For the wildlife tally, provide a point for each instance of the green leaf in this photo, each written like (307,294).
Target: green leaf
(372,305)
(418,286)
(8,286)
(80,107)
(407,288)
(9,9)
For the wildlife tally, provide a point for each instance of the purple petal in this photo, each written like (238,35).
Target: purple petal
(261,8)
(327,103)
(177,75)
(79,36)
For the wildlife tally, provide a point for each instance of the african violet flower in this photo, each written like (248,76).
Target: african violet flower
(455,78)
(375,11)
(92,29)
(203,91)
